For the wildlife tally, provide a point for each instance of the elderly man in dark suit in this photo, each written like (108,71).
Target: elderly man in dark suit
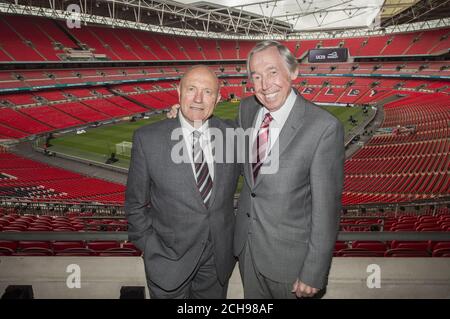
(180,213)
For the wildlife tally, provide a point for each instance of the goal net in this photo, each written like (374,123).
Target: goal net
(124,148)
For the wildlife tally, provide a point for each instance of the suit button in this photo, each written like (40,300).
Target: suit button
(248,214)
(253,194)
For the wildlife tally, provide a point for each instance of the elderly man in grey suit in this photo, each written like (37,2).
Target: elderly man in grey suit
(288,214)
(287,221)
(180,214)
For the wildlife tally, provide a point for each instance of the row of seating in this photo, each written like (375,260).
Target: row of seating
(398,68)
(410,160)
(30,78)
(40,39)
(28,179)
(88,222)
(438,222)
(68,248)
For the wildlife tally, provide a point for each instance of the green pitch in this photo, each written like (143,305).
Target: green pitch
(97,144)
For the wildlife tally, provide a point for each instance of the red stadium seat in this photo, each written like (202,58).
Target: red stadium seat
(34,252)
(405,252)
(340,245)
(373,246)
(76,252)
(359,252)
(4,251)
(437,245)
(129,245)
(102,245)
(39,228)
(443,252)
(8,244)
(416,245)
(59,246)
(33,244)
(120,252)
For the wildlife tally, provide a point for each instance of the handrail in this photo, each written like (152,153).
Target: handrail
(9,201)
(123,236)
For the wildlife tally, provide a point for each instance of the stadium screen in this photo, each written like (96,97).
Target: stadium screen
(328,55)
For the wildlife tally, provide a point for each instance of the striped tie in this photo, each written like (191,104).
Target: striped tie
(261,145)
(204,181)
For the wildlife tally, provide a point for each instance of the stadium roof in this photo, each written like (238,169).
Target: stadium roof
(301,15)
(249,18)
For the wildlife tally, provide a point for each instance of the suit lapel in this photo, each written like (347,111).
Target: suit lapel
(292,125)
(218,167)
(184,169)
(250,122)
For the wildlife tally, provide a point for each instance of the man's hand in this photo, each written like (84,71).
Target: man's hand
(303,290)
(172,114)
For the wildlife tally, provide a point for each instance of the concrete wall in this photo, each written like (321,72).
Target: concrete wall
(102,277)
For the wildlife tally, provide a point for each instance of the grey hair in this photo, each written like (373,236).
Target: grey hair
(289,59)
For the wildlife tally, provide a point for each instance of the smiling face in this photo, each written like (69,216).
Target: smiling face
(271,78)
(199,94)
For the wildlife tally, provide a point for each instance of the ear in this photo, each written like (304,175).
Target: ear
(294,75)
(219,96)
(179,91)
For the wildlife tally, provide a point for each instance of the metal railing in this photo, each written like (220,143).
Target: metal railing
(123,236)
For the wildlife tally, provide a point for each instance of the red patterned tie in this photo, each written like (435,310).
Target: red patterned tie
(261,146)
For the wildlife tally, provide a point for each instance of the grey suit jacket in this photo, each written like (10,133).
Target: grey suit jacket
(291,218)
(167,218)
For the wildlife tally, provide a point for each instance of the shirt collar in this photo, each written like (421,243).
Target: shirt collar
(280,114)
(190,129)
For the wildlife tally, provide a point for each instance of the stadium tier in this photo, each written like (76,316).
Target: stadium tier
(39,39)
(56,109)
(412,162)
(27,179)
(409,162)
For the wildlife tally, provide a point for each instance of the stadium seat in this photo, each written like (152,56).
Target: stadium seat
(33,244)
(102,245)
(34,252)
(4,251)
(76,252)
(359,252)
(9,244)
(373,246)
(416,245)
(437,245)
(59,246)
(406,252)
(119,252)
(443,252)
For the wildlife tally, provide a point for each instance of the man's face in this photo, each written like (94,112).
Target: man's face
(199,94)
(271,78)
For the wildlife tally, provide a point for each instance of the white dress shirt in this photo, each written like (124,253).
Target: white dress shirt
(205,142)
(279,118)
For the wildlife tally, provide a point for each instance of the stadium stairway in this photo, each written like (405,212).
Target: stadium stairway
(128,98)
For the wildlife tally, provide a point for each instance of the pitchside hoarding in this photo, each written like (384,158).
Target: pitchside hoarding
(328,55)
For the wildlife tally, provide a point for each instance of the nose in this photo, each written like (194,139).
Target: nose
(264,83)
(198,98)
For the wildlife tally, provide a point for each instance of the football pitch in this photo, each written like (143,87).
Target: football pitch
(97,144)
